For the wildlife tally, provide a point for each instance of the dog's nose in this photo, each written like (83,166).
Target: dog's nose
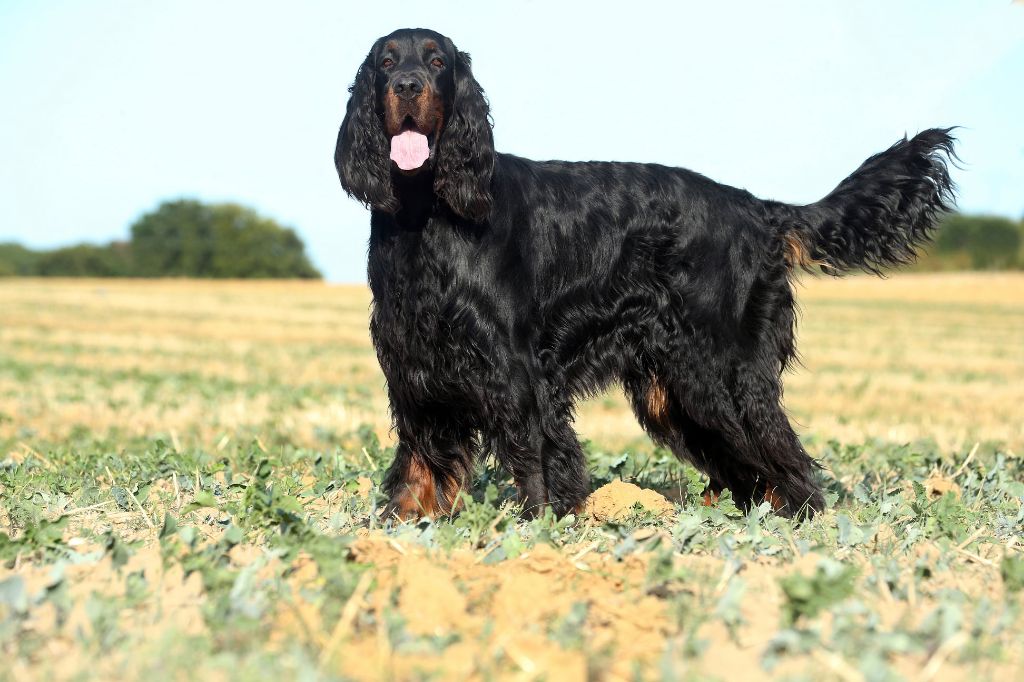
(407,87)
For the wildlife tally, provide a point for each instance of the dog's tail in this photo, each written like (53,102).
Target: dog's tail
(877,217)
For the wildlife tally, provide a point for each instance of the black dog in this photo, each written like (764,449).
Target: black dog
(506,289)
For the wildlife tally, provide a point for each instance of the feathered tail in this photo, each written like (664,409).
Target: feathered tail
(879,215)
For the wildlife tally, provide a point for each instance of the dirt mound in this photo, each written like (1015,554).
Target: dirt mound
(618,499)
(505,613)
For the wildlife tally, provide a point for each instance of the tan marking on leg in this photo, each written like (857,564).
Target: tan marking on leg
(456,503)
(773,498)
(418,496)
(709,498)
(657,404)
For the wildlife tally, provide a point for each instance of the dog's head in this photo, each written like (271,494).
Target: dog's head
(415,108)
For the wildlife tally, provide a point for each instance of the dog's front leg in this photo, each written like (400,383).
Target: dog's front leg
(426,480)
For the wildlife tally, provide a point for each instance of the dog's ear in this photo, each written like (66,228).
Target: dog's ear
(361,155)
(465,153)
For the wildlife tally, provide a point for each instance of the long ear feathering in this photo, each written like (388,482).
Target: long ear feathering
(465,153)
(361,155)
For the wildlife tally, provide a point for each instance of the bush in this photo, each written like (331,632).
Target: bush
(190,239)
(16,260)
(182,238)
(976,243)
(86,260)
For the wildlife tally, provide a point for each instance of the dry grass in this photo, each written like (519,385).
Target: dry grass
(915,356)
(227,373)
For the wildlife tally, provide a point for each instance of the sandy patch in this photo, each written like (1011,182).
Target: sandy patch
(618,499)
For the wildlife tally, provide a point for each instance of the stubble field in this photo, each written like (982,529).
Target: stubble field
(189,484)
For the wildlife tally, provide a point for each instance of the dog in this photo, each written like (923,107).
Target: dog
(506,289)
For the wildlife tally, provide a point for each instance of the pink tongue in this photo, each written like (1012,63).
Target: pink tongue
(409,149)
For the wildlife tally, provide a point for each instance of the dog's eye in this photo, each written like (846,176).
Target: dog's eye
(438,62)
(387,63)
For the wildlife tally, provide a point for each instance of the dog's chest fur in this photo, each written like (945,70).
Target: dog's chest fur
(444,332)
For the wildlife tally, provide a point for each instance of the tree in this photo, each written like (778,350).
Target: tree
(16,260)
(86,260)
(186,238)
(246,245)
(979,242)
(173,241)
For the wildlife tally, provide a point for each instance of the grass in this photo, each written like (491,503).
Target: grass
(189,478)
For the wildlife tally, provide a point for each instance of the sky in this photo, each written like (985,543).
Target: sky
(111,107)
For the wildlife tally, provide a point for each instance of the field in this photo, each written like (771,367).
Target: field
(189,484)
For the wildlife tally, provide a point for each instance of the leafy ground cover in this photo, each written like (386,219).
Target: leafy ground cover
(189,483)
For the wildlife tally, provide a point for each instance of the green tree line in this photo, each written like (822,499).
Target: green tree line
(187,238)
(183,238)
(971,242)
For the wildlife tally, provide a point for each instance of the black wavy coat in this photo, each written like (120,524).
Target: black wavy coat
(506,289)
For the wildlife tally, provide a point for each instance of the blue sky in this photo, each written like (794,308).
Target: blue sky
(111,107)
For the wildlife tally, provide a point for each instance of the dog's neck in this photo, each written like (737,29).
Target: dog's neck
(415,196)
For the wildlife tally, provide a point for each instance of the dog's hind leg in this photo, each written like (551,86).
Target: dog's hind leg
(662,416)
(786,473)
(744,443)
(660,412)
